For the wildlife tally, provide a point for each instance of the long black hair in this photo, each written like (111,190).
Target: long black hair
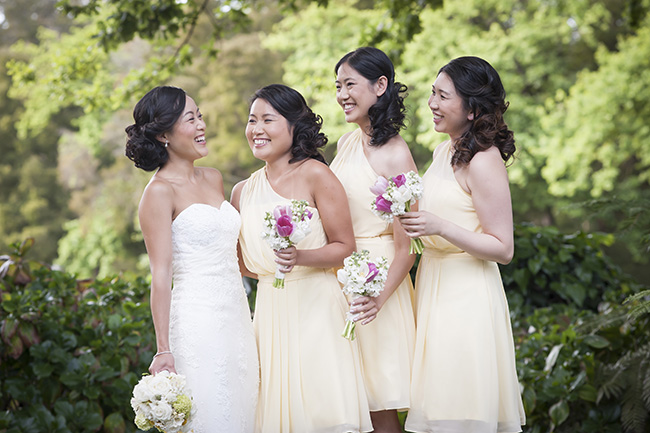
(154,114)
(480,87)
(388,113)
(307,135)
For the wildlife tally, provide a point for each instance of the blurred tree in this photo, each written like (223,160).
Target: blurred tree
(32,202)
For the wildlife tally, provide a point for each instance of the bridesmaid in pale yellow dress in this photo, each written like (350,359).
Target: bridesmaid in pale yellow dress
(464,376)
(311,379)
(370,97)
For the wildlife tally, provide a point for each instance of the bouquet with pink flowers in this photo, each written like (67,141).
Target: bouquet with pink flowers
(395,197)
(361,277)
(286,226)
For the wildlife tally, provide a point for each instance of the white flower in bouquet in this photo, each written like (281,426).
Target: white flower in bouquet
(361,276)
(395,196)
(286,226)
(162,401)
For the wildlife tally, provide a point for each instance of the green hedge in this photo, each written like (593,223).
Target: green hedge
(583,359)
(71,350)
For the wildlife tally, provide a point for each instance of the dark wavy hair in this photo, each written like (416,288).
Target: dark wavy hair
(480,87)
(307,137)
(154,114)
(388,113)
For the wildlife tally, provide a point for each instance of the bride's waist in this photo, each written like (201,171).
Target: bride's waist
(191,269)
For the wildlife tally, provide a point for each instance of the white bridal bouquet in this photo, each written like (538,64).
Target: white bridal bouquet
(162,401)
(286,226)
(395,196)
(361,277)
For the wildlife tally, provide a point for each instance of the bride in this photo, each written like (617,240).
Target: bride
(203,326)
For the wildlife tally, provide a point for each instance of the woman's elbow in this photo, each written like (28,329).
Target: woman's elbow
(507,255)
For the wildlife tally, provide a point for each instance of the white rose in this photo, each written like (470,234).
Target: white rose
(161,386)
(143,391)
(297,235)
(162,411)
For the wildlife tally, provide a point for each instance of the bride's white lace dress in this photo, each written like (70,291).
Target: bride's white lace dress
(211,333)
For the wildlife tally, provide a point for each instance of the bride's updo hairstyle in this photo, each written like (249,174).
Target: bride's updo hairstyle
(388,113)
(305,124)
(479,86)
(154,114)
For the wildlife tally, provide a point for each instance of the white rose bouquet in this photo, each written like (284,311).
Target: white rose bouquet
(361,277)
(162,401)
(286,226)
(395,197)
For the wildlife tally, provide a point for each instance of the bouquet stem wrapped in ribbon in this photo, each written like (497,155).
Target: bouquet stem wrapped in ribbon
(395,196)
(162,401)
(361,276)
(286,226)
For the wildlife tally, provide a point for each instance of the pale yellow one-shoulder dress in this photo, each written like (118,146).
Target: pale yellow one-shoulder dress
(464,375)
(310,376)
(386,343)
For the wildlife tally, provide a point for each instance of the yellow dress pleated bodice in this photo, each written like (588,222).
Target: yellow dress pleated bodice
(310,376)
(386,343)
(464,376)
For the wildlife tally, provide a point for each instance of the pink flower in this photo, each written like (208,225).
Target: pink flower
(284,225)
(380,186)
(399,180)
(382,204)
(308,214)
(372,272)
(281,211)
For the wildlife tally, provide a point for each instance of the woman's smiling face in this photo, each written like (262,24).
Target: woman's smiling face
(449,113)
(268,132)
(355,94)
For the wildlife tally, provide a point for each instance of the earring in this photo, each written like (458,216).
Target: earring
(166,143)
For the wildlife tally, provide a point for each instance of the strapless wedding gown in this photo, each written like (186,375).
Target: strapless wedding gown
(211,333)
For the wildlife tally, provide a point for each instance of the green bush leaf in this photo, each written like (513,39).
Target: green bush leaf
(64,409)
(42,370)
(588,393)
(114,423)
(559,412)
(596,341)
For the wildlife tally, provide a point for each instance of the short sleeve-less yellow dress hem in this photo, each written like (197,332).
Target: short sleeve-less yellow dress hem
(310,376)
(386,343)
(464,375)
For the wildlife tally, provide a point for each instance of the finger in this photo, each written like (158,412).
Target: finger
(369,319)
(364,308)
(360,301)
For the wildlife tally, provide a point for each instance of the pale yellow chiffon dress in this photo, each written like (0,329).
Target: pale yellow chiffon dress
(386,343)
(310,376)
(464,376)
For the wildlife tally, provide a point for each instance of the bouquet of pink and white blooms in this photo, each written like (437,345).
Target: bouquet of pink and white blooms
(162,401)
(286,226)
(395,197)
(361,276)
